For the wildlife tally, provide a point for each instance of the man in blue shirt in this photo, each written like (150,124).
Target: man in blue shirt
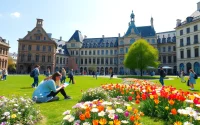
(36,75)
(71,76)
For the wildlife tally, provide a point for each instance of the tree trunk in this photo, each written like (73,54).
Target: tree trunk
(140,72)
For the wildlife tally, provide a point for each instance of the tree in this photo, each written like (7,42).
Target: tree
(11,64)
(141,55)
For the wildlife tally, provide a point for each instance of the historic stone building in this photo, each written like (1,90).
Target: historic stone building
(4,48)
(107,53)
(188,42)
(36,47)
(167,50)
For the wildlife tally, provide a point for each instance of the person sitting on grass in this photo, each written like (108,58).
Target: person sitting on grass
(47,91)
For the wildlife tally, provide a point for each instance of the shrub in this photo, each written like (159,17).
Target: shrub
(18,110)
(92,94)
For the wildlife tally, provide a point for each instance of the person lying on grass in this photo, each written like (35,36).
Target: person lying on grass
(47,90)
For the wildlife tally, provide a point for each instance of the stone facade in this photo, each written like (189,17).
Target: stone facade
(167,50)
(4,49)
(36,47)
(188,42)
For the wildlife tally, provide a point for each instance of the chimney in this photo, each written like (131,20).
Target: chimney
(198,6)
(151,21)
(102,36)
(39,22)
(178,22)
(118,34)
(60,38)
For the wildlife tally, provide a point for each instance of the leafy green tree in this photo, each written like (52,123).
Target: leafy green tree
(11,64)
(141,55)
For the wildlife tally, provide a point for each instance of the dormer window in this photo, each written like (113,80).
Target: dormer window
(121,43)
(38,31)
(111,44)
(37,37)
(102,45)
(107,44)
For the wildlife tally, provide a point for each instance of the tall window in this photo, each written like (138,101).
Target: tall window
(81,52)
(181,32)
(90,61)
(90,53)
(121,50)
(169,59)
(195,39)
(126,49)
(153,40)
(37,58)
(106,60)
(102,52)
(94,60)
(163,49)
(29,57)
(188,30)
(106,52)
(44,38)
(174,59)
(76,52)
(81,61)
(174,48)
(195,28)
(188,40)
(164,59)
(115,60)
(115,52)
(182,54)
(98,61)
(23,47)
(38,47)
(111,52)
(60,60)
(49,48)
(85,61)
(49,58)
(94,52)
(57,60)
(169,48)
(181,43)
(102,60)
(188,53)
(111,60)
(98,52)
(196,52)
(37,37)
(85,52)
(22,57)
(64,60)
(44,48)
(29,47)
(43,58)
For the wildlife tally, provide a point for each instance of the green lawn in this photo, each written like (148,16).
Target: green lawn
(52,112)
(176,82)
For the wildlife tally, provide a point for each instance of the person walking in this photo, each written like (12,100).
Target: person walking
(162,75)
(63,72)
(71,76)
(182,76)
(111,75)
(36,75)
(192,80)
(48,72)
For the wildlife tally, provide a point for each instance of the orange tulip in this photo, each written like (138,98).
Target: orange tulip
(132,118)
(171,102)
(87,114)
(156,101)
(135,111)
(177,123)
(137,101)
(100,108)
(95,122)
(173,111)
(82,117)
(117,122)
(102,121)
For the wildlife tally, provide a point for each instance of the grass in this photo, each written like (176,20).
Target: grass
(176,82)
(52,112)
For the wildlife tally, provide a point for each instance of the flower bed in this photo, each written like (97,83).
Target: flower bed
(18,110)
(174,106)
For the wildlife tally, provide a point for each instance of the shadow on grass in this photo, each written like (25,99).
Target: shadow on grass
(195,90)
(26,88)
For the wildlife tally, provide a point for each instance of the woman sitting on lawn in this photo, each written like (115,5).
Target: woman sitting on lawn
(47,90)
(192,81)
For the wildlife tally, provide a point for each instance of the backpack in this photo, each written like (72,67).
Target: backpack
(195,76)
(32,74)
(164,74)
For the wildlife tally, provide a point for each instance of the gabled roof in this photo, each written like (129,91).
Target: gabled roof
(77,36)
(130,28)
(146,31)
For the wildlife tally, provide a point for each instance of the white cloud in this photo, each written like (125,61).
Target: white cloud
(15,14)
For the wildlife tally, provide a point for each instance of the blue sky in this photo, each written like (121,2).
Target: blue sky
(93,18)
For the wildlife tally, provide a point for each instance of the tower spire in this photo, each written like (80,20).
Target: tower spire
(132,17)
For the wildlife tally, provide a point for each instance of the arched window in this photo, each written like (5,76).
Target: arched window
(132,41)
(189,66)
(197,68)
(181,67)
